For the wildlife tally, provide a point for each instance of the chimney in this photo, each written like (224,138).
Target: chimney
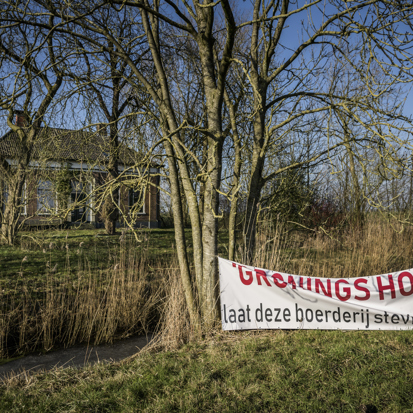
(21,118)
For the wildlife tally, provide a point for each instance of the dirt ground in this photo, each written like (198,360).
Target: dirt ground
(78,356)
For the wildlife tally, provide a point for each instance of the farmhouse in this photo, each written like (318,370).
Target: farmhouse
(68,171)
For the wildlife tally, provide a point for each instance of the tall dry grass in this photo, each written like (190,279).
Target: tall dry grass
(97,306)
(379,247)
(175,328)
(90,306)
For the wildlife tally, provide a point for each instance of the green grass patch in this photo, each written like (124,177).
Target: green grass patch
(37,252)
(67,251)
(293,371)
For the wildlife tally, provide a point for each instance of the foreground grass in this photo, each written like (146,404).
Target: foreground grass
(266,371)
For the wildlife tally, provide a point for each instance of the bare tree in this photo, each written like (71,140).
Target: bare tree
(285,86)
(368,126)
(200,27)
(102,79)
(287,81)
(31,67)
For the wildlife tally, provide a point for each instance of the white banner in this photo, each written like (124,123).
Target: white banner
(254,298)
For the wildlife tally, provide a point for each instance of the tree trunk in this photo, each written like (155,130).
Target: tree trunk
(176,157)
(214,100)
(357,204)
(257,167)
(180,239)
(12,210)
(110,226)
(235,181)
(210,236)
(110,207)
(15,179)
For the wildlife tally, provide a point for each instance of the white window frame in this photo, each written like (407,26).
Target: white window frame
(43,211)
(86,188)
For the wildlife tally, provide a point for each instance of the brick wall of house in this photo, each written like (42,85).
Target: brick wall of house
(150,216)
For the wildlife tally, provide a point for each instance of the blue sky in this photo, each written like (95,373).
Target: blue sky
(291,38)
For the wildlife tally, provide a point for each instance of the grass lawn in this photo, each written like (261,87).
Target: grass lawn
(40,251)
(45,249)
(314,371)
(67,251)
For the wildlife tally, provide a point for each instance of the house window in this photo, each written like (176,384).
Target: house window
(77,186)
(46,198)
(79,202)
(137,201)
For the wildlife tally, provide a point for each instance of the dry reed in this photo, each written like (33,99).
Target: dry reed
(92,306)
(378,248)
(175,326)
(99,306)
